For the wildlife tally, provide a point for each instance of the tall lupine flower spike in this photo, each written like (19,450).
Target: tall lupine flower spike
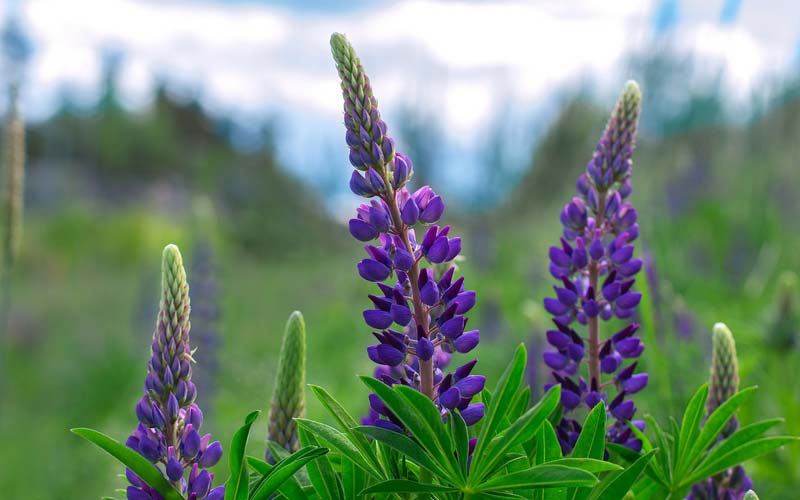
(419,311)
(724,382)
(288,396)
(169,421)
(595,267)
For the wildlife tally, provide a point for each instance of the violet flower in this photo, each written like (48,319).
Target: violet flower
(595,267)
(168,434)
(419,311)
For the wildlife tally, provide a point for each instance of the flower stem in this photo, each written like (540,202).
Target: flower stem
(594,335)
(420,314)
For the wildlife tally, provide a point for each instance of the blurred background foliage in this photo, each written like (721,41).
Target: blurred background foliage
(108,187)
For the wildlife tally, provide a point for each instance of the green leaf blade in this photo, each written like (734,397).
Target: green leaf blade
(142,467)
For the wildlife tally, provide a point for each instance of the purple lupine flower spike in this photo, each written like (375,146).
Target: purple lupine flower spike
(169,420)
(595,268)
(419,313)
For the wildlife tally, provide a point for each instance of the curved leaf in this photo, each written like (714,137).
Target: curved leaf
(132,460)
(406,446)
(237,486)
(284,470)
(540,476)
(617,485)
(406,486)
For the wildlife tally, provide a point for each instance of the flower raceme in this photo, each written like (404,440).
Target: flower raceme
(733,483)
(168,433)
(595,267)
(418,313)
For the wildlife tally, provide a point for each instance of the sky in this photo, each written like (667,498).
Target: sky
(463,62)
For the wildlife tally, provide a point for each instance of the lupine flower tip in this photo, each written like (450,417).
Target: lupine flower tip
(288,396)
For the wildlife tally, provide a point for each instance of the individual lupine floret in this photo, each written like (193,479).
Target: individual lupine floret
(288,396)
(168,433)
(419,312)
(733,483)
(595,266)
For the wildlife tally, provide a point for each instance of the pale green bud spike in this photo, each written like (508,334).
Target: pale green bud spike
(625,118)
(175,303)
(750,495)
(288,396)
(724,367)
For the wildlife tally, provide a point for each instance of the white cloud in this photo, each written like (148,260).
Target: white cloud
(464,59)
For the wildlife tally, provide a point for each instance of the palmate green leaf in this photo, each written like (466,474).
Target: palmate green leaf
(406,486)
(592,465)
(346,423)
(664,465)
(539,476)
(690,424)
(521,403)
(236,488)
(591,443)
(548,449)
(132,460)
(592,439)
(742,453)
(616,485)
(628,456)
(496,410)
(353,479)
(284,470)
(290,488)
(320,472)
(712,428)
(338,441)
(517,433)
(738,438)
(407,447)
(547,445)
(458,429)
(417,416)
(430,415)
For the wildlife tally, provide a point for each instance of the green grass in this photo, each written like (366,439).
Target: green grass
(78,350)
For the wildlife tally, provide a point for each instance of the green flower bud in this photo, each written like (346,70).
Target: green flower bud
(288,396)
(750,495)
(724,367)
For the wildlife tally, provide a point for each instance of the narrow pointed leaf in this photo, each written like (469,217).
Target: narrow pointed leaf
(617,485)
(406,446)
(338,441)
(284,470)
(406,486)
(132,460)
(320,471)
(540,476)
(290,488)
(501,399)
(237,486)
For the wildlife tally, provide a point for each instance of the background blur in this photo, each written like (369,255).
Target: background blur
(216,125)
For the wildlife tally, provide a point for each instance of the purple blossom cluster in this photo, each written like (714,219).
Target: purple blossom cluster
(419,310)
(168,434)
(595,266)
